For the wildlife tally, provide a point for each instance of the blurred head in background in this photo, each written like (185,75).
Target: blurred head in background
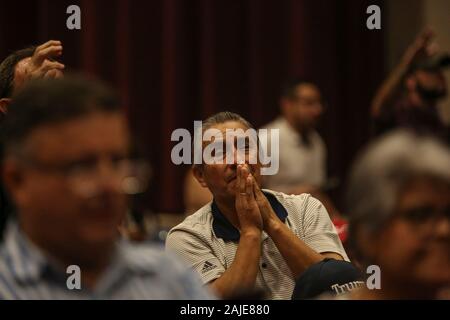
(26,64)
(426,84)
(301,105)
(399,207)
(8,79)
(66,154)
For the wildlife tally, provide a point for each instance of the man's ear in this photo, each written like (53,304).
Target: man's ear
(197,170)
(13,180)
(4,103)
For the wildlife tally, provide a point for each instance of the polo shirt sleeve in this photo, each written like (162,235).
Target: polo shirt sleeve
(318,230)
(196,252)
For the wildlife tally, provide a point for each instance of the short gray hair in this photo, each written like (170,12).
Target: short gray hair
(381,172)
(219,118)
(225,116)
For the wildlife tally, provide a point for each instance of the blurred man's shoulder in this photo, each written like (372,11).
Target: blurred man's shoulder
(148,257)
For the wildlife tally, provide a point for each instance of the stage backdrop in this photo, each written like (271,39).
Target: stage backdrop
(174,62)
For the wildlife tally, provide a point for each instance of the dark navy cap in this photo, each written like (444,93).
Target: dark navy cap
(327,276)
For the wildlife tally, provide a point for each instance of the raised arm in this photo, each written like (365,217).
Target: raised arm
(391,87)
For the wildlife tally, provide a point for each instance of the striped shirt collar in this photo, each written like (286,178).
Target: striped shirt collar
(225,230)
(29,264)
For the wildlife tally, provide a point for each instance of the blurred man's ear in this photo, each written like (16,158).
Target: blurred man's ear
(4,103)
(13,180)
(197,170)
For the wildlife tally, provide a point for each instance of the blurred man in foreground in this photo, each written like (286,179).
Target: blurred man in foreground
(65,160)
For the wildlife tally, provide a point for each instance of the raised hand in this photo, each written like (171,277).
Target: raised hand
(42,62)
(421,47)
(247,209)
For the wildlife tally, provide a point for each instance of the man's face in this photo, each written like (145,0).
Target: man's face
(305,109)
(68,187)
(221,178)
(414,247)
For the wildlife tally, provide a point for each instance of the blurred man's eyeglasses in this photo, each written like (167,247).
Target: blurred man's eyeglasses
(128,176)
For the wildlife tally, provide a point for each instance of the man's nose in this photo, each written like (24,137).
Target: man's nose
(108,178)
(239,156)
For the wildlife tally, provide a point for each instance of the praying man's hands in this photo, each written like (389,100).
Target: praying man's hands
(249,195)
(247,209)
(268,215)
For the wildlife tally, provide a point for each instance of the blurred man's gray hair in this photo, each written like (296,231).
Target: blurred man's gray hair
(383,169)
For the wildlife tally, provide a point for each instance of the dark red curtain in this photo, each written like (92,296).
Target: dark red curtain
(176,61)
